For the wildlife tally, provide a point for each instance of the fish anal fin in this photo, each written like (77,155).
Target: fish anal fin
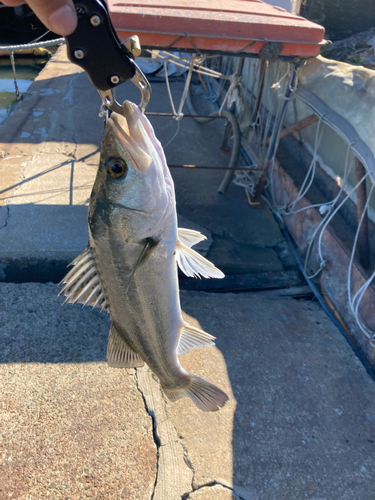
(119,354)
(194,265)
(193,338)
(207,396)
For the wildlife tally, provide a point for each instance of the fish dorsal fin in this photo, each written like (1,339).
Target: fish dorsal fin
(119,354)
(82,284)
(194,265)
(189,237)
(192,338)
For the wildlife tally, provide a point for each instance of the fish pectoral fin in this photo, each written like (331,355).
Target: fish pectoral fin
(81,284)
(149,246)
(189,237)
(193,264)
(119,354)
(192,338)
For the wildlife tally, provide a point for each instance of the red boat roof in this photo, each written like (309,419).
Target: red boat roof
(215,25)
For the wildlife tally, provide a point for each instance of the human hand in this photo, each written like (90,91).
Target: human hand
(58,16)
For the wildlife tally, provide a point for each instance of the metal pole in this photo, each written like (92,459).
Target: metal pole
(274,140)
(262,71)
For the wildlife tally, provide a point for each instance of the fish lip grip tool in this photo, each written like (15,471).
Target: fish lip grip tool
(96,48)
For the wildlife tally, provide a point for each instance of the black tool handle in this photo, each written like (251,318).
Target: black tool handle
(96,48)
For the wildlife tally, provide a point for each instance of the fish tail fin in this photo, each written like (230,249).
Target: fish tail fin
(207,396)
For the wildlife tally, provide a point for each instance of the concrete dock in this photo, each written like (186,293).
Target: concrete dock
(300,422)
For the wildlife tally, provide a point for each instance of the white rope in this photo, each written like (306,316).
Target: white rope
(309,178)
(269,109)
(174,136)
(186,89)
(179,114)
(328,209)
(169,88)
(354,302)
(270,113)
(36,45)
(248,180)
(234,83)
(178,61)
(324,223)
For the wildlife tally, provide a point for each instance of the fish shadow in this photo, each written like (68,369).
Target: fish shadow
(35,328)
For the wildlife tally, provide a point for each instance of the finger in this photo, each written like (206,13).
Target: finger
(58,16)
(13,3)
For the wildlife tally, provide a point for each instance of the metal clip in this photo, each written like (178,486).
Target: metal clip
(95,47)
(140,81)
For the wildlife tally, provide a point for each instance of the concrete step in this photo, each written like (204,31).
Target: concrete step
(301,406)
(49,152)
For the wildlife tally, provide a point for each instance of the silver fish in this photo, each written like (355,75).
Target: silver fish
(129,267)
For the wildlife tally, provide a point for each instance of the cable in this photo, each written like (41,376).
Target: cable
(324,305)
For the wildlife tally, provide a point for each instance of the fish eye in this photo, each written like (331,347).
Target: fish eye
(116,167)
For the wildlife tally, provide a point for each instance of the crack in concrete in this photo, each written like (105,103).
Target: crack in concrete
(187,459)
(72,154)
(154,431)
(190,465)
(208,485)
(22,177)
(160,444)
(174,474)
(6,217)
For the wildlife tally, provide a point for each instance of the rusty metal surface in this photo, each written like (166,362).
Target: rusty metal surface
(231,26)
(334,277)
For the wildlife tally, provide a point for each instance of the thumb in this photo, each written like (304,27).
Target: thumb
(58,16)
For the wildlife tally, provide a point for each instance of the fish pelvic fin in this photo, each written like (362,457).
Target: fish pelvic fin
(195,265)
(119,354)
(81,284)
(207,396)
(192,338)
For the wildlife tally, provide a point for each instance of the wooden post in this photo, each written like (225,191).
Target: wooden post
(309,120)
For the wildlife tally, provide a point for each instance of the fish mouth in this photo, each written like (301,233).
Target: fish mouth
(129,130)
(123,207)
